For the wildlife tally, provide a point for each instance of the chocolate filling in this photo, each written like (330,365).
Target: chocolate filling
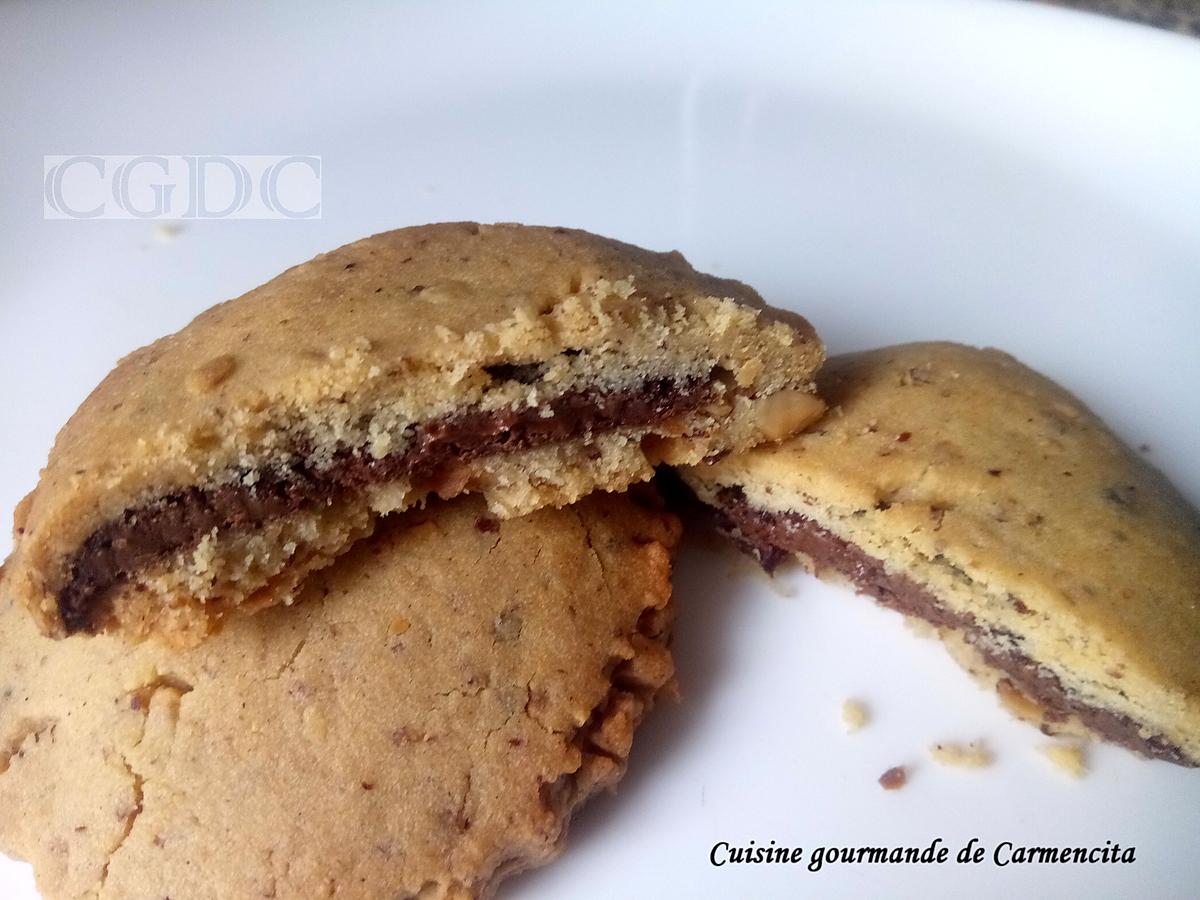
(179,521)
(772,537)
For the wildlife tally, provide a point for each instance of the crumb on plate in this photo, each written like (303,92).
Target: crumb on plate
(854,715)
(973,755)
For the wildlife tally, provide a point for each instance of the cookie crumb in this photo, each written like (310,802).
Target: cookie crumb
(973,755)
(854,715)
(1067,758)
(894,778)
(210,375)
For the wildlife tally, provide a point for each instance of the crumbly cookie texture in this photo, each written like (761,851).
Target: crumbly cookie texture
(211,470)
(957,485)
(422,725)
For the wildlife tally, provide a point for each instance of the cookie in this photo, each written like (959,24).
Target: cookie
(958,486)
(212,470)
(422,725)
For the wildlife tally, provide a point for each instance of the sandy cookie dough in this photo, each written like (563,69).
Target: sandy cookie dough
(958,486)
(422,725)
(212,470)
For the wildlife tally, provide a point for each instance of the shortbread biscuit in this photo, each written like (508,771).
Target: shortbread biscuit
(215,468)
(422,725)
(956,485)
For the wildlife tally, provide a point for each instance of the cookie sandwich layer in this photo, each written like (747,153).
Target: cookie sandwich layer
(212,470)
(960,487)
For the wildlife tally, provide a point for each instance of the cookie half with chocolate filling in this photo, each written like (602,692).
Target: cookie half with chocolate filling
(423,724)
(213,469)
(958,486)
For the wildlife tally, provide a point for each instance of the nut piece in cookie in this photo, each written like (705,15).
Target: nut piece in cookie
(422,724)
(212,470)
(958,486)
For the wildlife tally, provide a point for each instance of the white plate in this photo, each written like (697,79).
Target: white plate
(991,172)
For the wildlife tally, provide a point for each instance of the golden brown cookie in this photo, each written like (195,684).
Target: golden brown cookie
(422,725)
(213,469)
(957,485)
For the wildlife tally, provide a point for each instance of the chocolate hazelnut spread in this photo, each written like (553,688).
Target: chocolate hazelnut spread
(177,522)
(772,537)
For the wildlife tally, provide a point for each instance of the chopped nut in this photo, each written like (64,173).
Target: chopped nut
(211,374)
(969,756)
(138,677)
(450,479)
(203,437)
(854,715)
(784,413)
(449,291)
(749,371)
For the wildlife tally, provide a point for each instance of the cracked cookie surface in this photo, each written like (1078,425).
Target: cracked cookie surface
(423,724)
(959,486)
(212,470)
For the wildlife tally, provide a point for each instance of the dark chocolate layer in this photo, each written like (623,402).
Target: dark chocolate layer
(143,536)
(771,537)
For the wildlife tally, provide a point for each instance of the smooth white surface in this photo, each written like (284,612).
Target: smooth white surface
(991,172)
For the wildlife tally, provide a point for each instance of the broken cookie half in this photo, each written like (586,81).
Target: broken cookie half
(212,470)
(958,486)
(423,724)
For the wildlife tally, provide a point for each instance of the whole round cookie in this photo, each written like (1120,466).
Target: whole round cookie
(422,725)
(957,485)
(213,469)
